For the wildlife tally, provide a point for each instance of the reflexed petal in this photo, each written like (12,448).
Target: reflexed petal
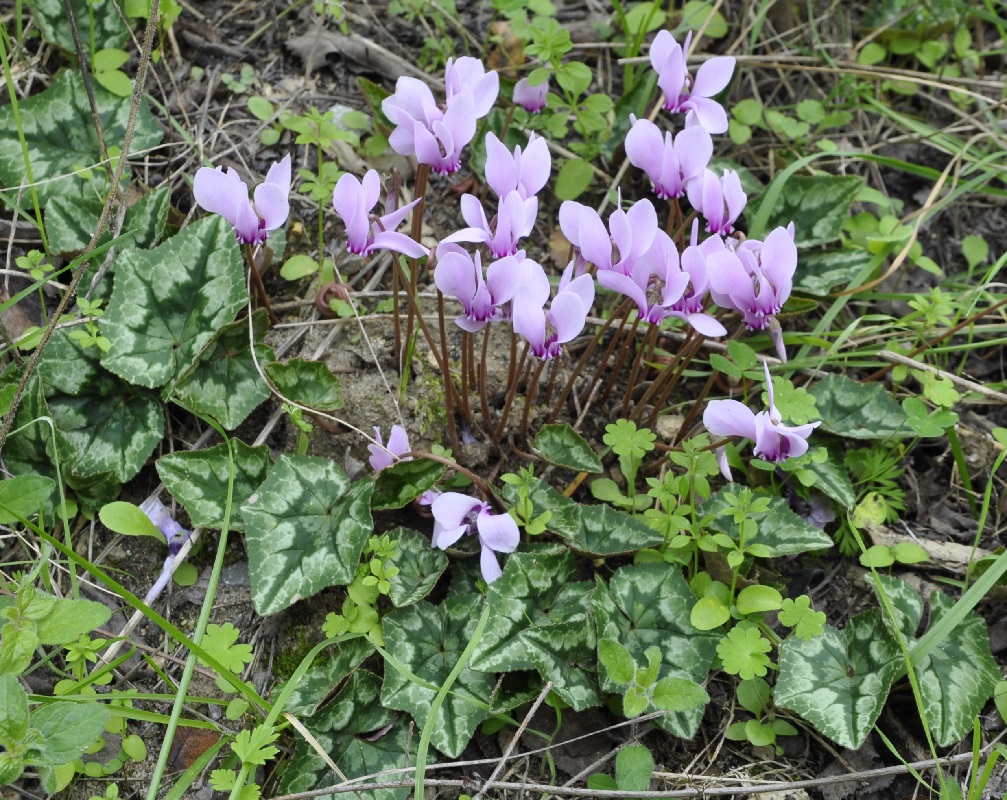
(595,242)
(642,219)
(582,286)
(498,531)
(725,468)
(380,456)
(567,314)
(625,285)
(279,175)
(705,113)
(473,212)
(643,148)
(536,164)
(400,243)
(220,191)
(713,76)
(531,98)
(445,537)
(768,443)
(455,276)
(503,277)
(528,318)
(501,171)
(774,414)
(694,149)
(272,205)
(706,325)
(489,566)
(451,508)
(729,418)
(534,282)
(460,120)
(247,225)
(779,261)
(735,197)
(347,199)
(391,221)
(370,189)
(402,139)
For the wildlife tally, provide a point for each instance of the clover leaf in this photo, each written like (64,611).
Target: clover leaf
(799,615)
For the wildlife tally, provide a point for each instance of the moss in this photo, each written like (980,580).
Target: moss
(429,407)
(300,639)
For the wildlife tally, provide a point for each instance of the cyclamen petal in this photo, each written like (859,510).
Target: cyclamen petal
(221,191)
(531,98)
(353,201)
(382,455)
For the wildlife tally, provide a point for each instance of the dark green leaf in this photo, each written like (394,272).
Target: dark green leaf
(560,444)
(309,383)
(70,223)
(351,729)
(404,481)
(859,411)
(305,531)
(429,640)
(61,138)
(420,565)
(167,303)
(107,31)
(224,382)
(198,480)
(840,680)
(319,681)
(820,272)
(817,205)
(779,528)
(648,605)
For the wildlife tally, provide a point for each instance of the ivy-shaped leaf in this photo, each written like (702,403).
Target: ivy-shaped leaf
(560,444)
(320,680)
(958,676)
(429,640)
(198,480)
(905,600)
(859,411)
(404,481)
(648,605)
(224,382)
(309,383)
(420,565)
(780,530)
(839,681)
(168,303)
(61,139)
(817,205)
(305,530)
(71,222)
(112,427)
(354,730)
(98,23)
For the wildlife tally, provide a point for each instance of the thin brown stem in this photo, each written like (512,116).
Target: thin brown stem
(483,399)
(646,346)
(511,391)
(624,352)
(419,190)
(449,383)
(530,394)
(260,287)
(598,370)
(661,379)
(553,371)
(468,378)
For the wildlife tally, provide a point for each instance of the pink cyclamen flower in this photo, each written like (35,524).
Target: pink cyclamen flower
(756,278)
(459,275)
(523,171)
(658,284)
(436,134)
(221,191)
(774,441)
(515,219)
(353,201)
(531,98)
(670,163)
(628,236)
(547,331)
(383,455)
(719,200)
(682,92)
(456,514)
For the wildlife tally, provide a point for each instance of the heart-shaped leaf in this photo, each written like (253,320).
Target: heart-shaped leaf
(98,23)
(839,681)
(562,445)
(309,383)
(61,139)
(429,640)
(419,565)
(168,303)
(70,223)
(198,480)
(319,681)
(305,530)
(403,482)
(859,411)
(780,530)
(648,605)
(225,382)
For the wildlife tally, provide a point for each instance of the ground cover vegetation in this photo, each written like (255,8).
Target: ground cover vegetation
(502,399)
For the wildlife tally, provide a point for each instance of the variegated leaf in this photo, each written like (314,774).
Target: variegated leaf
(305,530)
(780,529)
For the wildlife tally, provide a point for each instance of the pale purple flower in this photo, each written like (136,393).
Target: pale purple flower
(174,534)
(353,201)
(436,134)
(456,514)
(628,236)
(547,331)
(719,200)
(221,191)
(670,163)
(682,92)
(459,275)
(523,171)
(658,284)
(383,455)
(531,98)
(468,73)
(774,441)
(756,278)
(690,306)
(515,219)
